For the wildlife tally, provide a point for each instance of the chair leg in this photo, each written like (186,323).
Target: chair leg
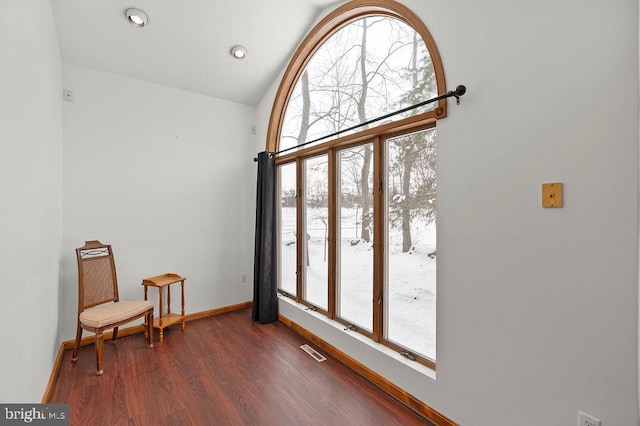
(150,327)
(115,335)
(74,355)
(99,348)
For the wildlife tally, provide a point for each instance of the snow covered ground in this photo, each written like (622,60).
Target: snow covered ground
(410,314)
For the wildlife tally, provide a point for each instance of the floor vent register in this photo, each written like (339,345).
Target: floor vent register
(314,354)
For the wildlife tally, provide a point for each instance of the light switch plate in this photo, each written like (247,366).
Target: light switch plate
(552,194)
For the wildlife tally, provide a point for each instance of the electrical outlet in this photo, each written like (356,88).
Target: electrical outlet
(67,95)
(586,420)
(243,277)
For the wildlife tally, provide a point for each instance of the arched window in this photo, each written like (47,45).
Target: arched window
(357,218)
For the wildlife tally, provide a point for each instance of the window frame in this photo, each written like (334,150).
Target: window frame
(376,135)
(381,214)
(333,22)
(374,272)
(301,226)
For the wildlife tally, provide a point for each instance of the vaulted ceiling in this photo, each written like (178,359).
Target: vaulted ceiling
(186,43)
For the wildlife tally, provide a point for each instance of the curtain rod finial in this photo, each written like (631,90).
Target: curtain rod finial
(460,90)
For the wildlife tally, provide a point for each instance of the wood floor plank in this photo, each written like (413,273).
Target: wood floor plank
(222,370)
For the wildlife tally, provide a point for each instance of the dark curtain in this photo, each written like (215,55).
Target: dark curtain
(265,287)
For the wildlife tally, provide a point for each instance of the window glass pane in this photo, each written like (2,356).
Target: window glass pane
(316,231)
(410,285)
(355,236)
(370,67)
(287,228)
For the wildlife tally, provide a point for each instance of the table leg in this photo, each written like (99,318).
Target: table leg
(161,313)
(182,301)
(146,318)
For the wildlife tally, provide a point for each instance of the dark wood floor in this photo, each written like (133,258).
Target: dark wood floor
(222,370)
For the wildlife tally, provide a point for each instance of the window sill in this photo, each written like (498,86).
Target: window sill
(364,340)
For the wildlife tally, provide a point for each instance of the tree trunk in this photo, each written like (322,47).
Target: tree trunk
(365,190)
(408,166)
(366,164)
(406,204)
(306,108)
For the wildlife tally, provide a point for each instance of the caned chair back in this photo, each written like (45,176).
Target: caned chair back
(97,279)
(98,285)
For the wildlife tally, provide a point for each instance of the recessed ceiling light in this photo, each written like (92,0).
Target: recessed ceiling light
(136,17)
(238,52)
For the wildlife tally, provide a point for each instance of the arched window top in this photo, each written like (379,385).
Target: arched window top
(364,60)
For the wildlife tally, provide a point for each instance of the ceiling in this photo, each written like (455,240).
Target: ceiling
(186,43)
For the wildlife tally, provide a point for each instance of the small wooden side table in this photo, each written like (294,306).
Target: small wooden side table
(165,319)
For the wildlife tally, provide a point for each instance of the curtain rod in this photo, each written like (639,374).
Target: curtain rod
(460,90)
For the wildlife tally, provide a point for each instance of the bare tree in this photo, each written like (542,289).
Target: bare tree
(417,193)
(367,68)
(362,115)
(306,107)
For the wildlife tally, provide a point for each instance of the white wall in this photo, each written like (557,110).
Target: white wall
(537,308)
(167,178)
(31,197)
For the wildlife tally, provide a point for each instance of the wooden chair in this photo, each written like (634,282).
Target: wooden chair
(99,306)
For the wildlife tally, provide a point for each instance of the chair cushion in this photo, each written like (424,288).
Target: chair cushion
(112,313)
